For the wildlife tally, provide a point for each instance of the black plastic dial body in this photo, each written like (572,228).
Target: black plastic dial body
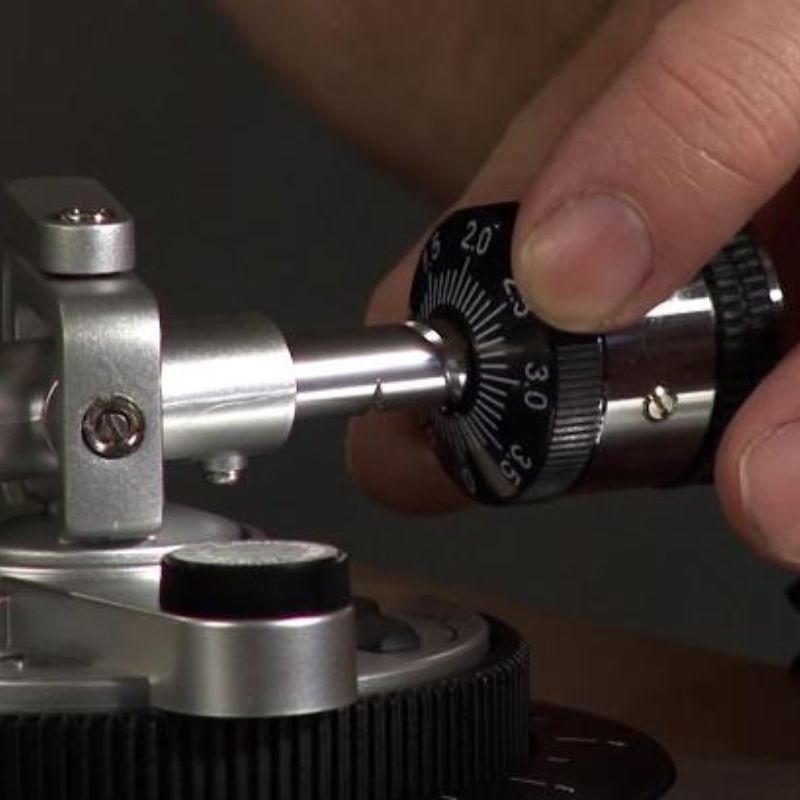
(534,411)
(503,443)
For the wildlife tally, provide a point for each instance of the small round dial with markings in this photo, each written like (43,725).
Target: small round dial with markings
(501,444)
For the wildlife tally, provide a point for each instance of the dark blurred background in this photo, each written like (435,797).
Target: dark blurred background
(244,201)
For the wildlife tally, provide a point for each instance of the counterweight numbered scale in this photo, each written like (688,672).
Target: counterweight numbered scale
(543,412)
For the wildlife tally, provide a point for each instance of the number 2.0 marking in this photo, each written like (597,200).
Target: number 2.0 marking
(477,239)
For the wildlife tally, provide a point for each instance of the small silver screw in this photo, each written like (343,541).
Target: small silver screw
(224,470)
(660,404)
(113,427)
(228,477)
(16,661)
(87,216)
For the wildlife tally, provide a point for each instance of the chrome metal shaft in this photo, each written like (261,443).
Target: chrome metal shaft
(233,387)
(378,368)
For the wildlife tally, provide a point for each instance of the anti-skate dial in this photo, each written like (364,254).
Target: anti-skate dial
(531,411)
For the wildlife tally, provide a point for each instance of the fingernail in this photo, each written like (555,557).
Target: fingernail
(769,475)
(581,267)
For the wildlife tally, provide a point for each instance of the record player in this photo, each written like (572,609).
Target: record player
(157,651)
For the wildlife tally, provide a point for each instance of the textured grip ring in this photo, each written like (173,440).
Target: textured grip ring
(741,282)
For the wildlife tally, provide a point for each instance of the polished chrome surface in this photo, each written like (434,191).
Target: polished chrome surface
(378,368)
(673,346)
(228,388)
(69,226)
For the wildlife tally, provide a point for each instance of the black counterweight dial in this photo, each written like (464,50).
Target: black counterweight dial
(506,439)
(543,411)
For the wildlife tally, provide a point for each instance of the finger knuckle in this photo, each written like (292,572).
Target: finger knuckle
(730,98)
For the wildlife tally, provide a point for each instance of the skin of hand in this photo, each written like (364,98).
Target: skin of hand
(670,128)
(665,135)
(412,480)
(423,86)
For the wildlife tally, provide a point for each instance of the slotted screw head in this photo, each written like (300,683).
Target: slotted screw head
(660,404)
(113,427)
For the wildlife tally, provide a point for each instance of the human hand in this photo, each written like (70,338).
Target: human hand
(401,79)
(668,132)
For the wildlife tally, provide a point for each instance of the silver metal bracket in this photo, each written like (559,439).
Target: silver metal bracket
(69,226)
(85,630)
(67,277)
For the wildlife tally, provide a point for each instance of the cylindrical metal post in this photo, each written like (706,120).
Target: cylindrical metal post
(227,388)
(377,368)
(231,387)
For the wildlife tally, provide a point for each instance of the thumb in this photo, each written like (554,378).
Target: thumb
(412,479)
(699,131)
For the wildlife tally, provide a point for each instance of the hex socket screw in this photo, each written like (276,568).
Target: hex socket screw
(76,215)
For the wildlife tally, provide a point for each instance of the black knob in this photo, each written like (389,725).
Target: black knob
(269,579)
(531,415)
(545,412)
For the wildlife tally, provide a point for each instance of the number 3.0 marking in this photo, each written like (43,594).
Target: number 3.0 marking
(537,372)
(536,401)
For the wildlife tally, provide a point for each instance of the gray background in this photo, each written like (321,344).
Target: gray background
(244,201)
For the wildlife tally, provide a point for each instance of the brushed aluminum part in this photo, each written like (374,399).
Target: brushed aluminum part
(198,667)
(69,226)
(106,342)
(227,386)
(96,610)
(32,547)
(26,382)
(35,683)
(452,640)
(92,613)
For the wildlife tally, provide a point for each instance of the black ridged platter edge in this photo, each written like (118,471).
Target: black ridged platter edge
(432,740)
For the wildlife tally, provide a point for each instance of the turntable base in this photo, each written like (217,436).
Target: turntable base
(731,726)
